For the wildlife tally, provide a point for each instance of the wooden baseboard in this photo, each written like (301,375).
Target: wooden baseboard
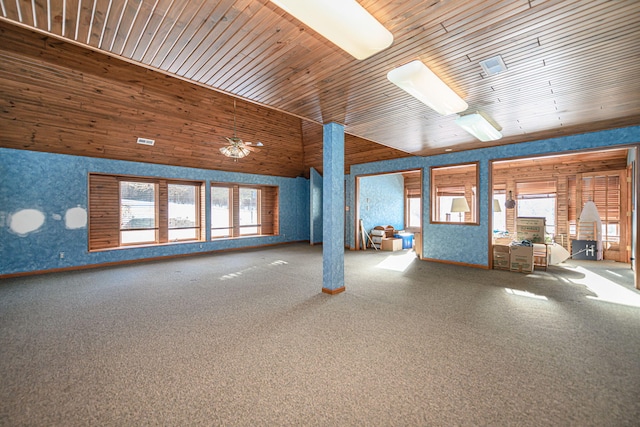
(333,291)
(464,264)
(139,260)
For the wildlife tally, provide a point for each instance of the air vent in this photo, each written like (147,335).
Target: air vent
(145,141)
(493,66)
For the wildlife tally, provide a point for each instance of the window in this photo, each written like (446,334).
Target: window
(183,212)
(413,200)
(243,211)
(128,211)
(249,209)
(538,199)
(453,194)
(414,209)
(221,218)
(138,216)
(499,216)
(604,191)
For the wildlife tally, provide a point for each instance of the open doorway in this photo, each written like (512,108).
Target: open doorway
(558,190)
(392,201)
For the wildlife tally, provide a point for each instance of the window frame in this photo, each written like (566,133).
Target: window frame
(105,207)
(444,177)
(538,189)
(121,207)
(229,228)
(267,211)
(198,212)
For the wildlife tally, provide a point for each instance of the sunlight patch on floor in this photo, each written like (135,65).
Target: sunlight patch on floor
(606,290)
(521,293)
(239,273)
(614,273)
(398,262)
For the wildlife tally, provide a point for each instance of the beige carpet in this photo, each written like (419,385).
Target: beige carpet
(247,338)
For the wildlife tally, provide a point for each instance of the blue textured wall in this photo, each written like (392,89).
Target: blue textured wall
(350,229)
(381,199)
(53,184)
(470,244)
(315,206)
(333,207)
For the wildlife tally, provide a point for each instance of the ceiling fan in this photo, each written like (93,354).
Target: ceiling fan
(236,148)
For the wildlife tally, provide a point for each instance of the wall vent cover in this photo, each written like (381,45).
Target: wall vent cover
(494,65)
(145,141)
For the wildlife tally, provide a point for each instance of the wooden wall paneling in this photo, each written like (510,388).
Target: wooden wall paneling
(562,210)
(102,106)
(104,212)
(235,202)
(624,201)
(162,211)
(202,208)
(257,51)
(269,210)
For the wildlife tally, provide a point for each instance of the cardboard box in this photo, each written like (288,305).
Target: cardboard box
(531,229)
(391,244)
(521,259)
(501,254)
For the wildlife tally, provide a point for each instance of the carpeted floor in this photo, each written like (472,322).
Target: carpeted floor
(247,338)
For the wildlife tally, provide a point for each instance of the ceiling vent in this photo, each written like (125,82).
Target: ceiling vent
(493,66)
(145,141)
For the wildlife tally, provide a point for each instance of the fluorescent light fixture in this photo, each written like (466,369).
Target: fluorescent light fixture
(344,22)
(420,82)
(479,126)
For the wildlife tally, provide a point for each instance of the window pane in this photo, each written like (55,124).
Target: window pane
(182,212)
(543,207)
(415,206)
(137,212)
(249,209)
(220,212)
(500,218)
(453,193)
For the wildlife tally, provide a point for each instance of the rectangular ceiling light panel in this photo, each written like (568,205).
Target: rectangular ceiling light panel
(420,82)
(477,125)
(343,22)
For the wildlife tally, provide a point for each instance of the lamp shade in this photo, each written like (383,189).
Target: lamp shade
(343,22)
(496,206)
(459,204)
(478,125)
(422,83)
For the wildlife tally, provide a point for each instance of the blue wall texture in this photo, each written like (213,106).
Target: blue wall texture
(55,186)
(382,201)
(469,244)
(315,206)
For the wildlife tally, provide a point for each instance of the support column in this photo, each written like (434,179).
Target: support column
(333,209)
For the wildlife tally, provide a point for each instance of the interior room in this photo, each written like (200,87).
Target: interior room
(349,212)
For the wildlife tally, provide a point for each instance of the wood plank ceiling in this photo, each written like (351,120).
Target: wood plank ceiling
(573,65)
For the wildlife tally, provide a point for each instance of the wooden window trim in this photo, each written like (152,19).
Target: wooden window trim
(470,192)
(268,210)
(104,210)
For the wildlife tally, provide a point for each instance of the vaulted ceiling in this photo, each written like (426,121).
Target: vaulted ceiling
(573,65)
